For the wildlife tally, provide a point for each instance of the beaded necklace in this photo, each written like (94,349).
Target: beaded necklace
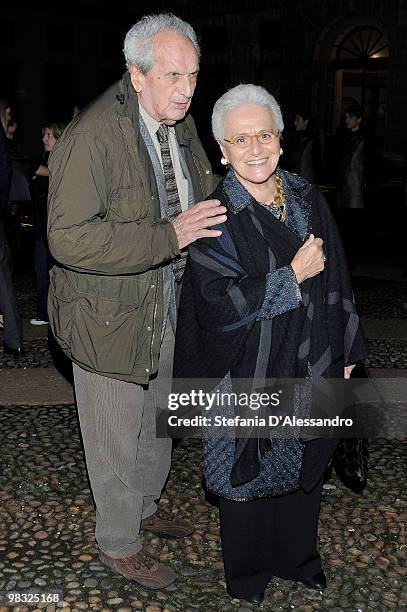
(279,199)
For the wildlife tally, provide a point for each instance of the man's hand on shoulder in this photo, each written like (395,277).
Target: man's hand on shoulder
(193,223)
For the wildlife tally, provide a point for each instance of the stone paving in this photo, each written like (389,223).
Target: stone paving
(47,516)
(381,299)
(37,355)
(47,521)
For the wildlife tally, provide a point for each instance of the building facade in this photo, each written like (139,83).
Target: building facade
(322,54)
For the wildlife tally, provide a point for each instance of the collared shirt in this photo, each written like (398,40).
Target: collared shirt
(182,184)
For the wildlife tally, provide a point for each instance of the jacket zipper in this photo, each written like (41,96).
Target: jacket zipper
(153,334)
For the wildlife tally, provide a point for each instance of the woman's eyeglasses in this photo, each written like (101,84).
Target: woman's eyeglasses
(264,137)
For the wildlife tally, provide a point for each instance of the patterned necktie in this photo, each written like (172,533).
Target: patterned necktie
(173,201)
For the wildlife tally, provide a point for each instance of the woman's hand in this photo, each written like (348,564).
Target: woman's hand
(348,370)
(309,259)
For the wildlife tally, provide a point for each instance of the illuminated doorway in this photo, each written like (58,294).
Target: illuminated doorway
(357,74)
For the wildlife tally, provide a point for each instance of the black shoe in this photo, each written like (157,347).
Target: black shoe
(17,352)
(256,598)
(316,582)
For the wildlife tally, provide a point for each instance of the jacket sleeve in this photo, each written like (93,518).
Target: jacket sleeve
(282,293)
(80,237)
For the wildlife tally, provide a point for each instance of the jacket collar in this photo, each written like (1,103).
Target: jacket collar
(237,194)
(184,134)
(296,191)
(126,97)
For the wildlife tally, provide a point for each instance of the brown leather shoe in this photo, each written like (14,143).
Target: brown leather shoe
(167,525)
(141,568)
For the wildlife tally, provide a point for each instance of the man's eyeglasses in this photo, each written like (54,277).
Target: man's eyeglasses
(264,137)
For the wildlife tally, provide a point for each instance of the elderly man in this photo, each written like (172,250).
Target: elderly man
(125,177)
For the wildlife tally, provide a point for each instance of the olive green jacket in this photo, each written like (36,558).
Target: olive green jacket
(106,233)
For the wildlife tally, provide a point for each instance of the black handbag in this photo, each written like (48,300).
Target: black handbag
(351,457)
(351,462)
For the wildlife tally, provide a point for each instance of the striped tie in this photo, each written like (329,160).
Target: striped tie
(174,204)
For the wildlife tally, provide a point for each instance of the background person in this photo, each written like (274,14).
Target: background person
(39,194)
(266,300)
(11,324)
(9,126)
(305,147)
(352,154)
(124,179)
(23,168)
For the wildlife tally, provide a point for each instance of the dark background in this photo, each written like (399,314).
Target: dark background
(322,55)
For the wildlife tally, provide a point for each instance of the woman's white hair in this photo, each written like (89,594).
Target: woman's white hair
(239,96)
(139,45)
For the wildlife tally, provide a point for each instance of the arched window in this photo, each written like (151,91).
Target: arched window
(361,45)
(357,74)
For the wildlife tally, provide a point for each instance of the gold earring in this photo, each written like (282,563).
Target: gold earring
(224,161)
(281,151)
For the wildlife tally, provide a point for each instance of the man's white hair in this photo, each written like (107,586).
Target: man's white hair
(139,45)
(239,96)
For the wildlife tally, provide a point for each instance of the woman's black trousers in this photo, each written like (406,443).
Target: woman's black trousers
(274,536)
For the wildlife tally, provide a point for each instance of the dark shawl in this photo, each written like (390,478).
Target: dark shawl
(223,295)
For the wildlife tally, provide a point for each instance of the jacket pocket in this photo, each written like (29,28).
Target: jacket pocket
(130,203)
(104,335)
(61,305)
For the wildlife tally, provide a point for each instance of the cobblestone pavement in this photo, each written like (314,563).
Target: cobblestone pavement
(24,284)
(47,524)
(47,516)
(381,299)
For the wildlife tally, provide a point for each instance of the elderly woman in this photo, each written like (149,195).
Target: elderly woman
(270,298)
